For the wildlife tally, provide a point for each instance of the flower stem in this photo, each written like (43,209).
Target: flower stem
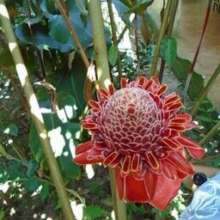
(160,37)
(35,111)
(104,80)
(205,90)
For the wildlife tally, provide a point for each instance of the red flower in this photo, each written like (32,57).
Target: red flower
(138,131)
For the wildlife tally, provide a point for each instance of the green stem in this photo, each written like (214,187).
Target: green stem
(160,37)
(35,111)
(210,134)
(205,90)
(114,36)
(104,80)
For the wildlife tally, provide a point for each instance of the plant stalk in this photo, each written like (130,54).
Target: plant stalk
(210,134)
(104,80)
(114,36)
(172,17)
(35,111)
(205,90)
(160,37)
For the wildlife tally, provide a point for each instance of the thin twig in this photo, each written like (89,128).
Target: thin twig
(189,76)
(114,36)
(35,111)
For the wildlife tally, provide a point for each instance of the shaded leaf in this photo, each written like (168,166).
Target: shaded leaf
(168,50)
(113,55)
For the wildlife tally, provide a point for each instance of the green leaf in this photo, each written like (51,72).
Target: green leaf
(31,184)
(113,55)
(93,212)
(168,50)
(58,29)
(68,168)
(141,6)
(81,4)
(34,144)
(12,129)
(44,193)
(196,86)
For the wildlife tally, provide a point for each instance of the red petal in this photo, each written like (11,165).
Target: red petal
(148,84)
(111,89)
(174,106)
(177,126)
(168,171)
(90,125)
(165,190)
(173,145)
(150,180)
(94,105)
(111,159)
(180,163)
(126,166)
(194,149)
(83,147)
(123,82)
(152,160)
(89,157)
(135,163)
(162,89)
(131,188)
(173,97)
(141,81)
(102,94)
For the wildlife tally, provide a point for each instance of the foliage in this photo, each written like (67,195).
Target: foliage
(51,56)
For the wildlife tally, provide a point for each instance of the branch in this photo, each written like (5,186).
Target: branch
(35,111)
(104,80)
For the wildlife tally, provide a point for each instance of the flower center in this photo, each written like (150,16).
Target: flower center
(130,120)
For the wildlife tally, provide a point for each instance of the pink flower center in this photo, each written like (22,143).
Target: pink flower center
(130,121)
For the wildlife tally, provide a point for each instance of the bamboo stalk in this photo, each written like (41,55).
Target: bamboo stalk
(160,37)
(35,111)
(114,36)
(104,80)
(205,90)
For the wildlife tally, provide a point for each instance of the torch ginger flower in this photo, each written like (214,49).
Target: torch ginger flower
(138,131)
